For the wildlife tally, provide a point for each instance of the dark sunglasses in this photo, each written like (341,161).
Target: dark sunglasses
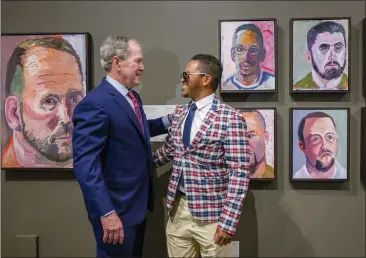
(185,76)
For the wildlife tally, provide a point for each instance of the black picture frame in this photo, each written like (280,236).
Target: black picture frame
(291,61)
(363,147)
(291,155)
(364,57)
(275,51)
(274,109)
(46,173)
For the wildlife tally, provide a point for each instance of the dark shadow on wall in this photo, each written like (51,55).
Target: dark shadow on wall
(155,241)
(247,232)
(160,77)
(279,235)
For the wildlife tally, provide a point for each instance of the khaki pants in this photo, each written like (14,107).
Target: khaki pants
(187,237)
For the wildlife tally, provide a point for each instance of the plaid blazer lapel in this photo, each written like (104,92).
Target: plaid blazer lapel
(207,122)
(182,115)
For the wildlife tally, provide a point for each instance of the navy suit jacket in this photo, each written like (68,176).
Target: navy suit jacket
(112,156)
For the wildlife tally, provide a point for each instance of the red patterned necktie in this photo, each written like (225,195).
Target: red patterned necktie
(137,109)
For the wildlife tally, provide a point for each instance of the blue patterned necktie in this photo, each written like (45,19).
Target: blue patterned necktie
(188,125)
(186,138)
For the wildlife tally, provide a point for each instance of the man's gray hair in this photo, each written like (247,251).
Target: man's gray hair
(113,46)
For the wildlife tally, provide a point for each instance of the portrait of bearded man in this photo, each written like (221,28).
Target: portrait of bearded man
(327,54)
(322,141)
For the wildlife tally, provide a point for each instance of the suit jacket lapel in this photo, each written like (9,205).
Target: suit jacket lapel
(125,106)
(181,118)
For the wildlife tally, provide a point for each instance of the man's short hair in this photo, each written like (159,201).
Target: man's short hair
(262,121)
(250,27)
(326,26)
(210,65)
(113,46)
(317,114)
(15,64)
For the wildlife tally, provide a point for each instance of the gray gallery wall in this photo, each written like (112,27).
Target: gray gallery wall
(277,221)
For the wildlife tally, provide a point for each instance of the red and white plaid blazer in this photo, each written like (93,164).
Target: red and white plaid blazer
(215,165)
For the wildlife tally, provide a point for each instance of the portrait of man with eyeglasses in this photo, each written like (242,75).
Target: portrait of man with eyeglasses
(322,142)
(248,53)
(320,55)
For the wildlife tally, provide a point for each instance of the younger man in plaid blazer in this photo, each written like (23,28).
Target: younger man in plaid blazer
(209,148)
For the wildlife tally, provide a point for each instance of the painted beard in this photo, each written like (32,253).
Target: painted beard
(321,167)
(47,145)
(329,74)
(253,165)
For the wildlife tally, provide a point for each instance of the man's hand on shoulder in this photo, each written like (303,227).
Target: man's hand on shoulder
(112,229)
(171,115)
(222,238)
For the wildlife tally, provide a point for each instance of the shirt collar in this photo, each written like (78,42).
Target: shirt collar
(205,101)
(119,86)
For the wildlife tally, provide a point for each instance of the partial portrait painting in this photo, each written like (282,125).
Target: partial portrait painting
(248,55)
(43,78)
(320,144)
(261,135)
(320,55)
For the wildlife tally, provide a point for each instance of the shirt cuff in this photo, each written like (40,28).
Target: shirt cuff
(105,215)
(166,122)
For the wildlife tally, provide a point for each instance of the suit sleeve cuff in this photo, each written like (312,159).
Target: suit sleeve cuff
(166,122)
(105,215)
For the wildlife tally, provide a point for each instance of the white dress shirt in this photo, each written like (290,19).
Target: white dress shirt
(203,106)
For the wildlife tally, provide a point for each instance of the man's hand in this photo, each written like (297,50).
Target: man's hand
(170,115)
(222,238)
(113,229)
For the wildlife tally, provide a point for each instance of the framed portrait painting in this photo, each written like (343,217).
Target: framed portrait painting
(43,77)
(248,53)
(319,144)
(261,125)
(364,57)
(319,55)
(363,146)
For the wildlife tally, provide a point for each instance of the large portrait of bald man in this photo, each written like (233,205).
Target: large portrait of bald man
(248,55)
(43,78)
(320,144)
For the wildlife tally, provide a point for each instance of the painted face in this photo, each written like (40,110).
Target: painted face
(321,143)
(329,55)
(257,138)
(247,54)
(132,67)
(53,87)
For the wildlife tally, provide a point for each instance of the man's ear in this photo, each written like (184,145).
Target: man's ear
(232,54)
(302,146)
(308,56)
(12,112)
(208,80)
(115,63)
